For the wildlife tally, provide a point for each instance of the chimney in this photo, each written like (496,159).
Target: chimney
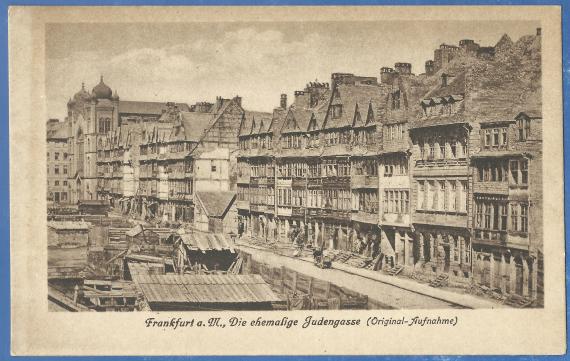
(538,31)
(429,67)
(386,75)
(403,68)
(169,107)
(237,99)
(283,102)
(342,78)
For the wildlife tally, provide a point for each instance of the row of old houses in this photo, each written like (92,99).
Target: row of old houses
(433,174)
(436,174)
(161,170)
(150,160)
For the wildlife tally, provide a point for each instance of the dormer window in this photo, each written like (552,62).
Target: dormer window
(337,111)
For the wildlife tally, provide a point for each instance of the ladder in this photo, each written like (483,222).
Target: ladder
(517,301)
(395,270)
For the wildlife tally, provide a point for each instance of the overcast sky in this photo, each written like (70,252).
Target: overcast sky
(259,61)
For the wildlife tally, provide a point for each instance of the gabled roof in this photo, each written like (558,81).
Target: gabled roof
(297,120)
(255,122)
(147,108)
(195,124)
(216,204)
(277,119)
(364,115)
(349,95)
(222,109)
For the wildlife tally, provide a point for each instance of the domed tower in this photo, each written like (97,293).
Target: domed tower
(104,108)
(94,115)
(102,91)
(77,103)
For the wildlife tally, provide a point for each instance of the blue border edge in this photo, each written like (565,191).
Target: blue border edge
(5,316)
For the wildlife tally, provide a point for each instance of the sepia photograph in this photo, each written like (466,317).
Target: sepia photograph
(390,181)
(251,171)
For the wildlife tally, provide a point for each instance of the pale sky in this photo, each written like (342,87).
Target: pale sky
(198,61)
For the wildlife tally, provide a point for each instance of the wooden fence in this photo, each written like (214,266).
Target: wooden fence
(303,291)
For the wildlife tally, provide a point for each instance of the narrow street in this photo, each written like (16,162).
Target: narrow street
(391,295)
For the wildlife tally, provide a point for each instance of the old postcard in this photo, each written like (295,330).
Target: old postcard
(319,180)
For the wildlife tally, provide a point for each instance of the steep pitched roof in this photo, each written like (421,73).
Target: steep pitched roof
(255,122)
(216,204)
(365,115)
(277,120)
(455,86)
(264,122)
(195,124)
(297,120)
(147,108)
(349,95)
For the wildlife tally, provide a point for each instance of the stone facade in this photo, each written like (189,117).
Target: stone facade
(152,169)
